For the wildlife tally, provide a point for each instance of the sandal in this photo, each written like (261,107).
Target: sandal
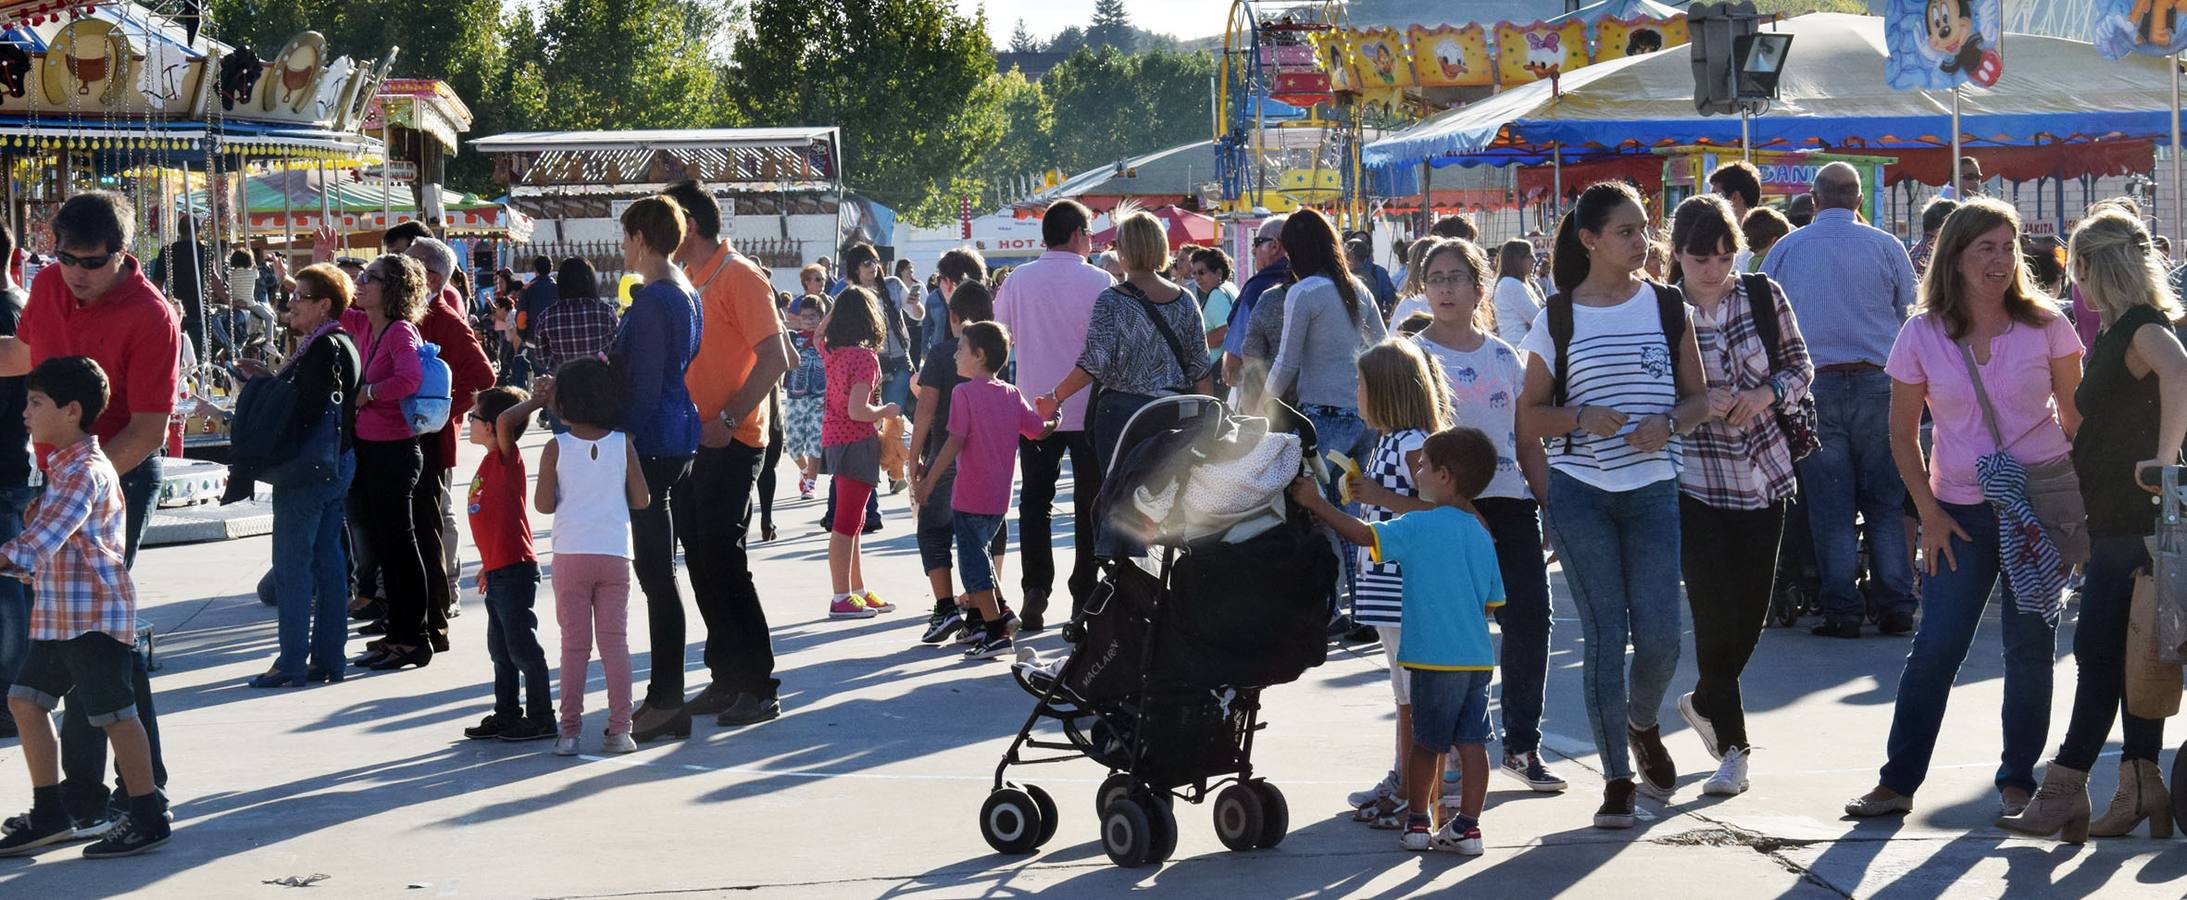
(402,658)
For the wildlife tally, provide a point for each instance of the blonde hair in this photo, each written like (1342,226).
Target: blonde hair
(1478,273)
(1142,244)
(1943,292)
(1404,388)
(2121,266)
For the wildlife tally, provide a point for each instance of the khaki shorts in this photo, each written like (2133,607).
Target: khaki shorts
(1400,679)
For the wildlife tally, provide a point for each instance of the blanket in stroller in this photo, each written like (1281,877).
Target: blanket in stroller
(1251,613)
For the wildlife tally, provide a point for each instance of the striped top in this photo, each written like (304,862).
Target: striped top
(1380,595)
(1620,360)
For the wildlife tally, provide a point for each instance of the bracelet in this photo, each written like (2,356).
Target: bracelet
(1777,391)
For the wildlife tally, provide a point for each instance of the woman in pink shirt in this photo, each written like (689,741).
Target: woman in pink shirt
(1976,300)
(390,301)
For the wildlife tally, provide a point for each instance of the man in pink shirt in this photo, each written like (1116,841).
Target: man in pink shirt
(1046,304)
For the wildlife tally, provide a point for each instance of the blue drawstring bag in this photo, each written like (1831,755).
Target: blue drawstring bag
(427,409)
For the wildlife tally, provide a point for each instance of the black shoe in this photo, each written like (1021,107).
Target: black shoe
(375,627)
(1896,623)
(872,525)
(487,728)
(317,675)
(527,730)
(1836,629)
(1362,634)
(1340,625)
(372,611)
(130,838)
(651,723)
(403,658)
(1617,805)
(1658,775)
(750,709)
(712,701)
(942,625)
(439,643)
(1030,623)
(30,831)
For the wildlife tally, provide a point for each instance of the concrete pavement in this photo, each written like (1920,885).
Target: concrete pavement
(869,784)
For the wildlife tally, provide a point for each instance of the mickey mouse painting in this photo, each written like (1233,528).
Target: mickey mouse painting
(1951,33)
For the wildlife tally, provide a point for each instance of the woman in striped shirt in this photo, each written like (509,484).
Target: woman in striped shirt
(1737,474)
(1613,377)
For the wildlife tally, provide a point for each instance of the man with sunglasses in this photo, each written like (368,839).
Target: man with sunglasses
(1969,185)
(96,302)
(1270,268)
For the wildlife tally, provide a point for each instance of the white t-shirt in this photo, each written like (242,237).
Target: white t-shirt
(1484,389)
(1516,307)
(1406,306)
(1619,359)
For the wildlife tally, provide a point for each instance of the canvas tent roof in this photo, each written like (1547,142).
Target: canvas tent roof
(1833,95)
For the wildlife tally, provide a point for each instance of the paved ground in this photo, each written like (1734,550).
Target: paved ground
(869,784)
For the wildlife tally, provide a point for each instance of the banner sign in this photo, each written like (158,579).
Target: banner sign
(1942,44)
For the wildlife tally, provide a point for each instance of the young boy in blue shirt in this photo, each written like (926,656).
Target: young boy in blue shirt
(1452,583)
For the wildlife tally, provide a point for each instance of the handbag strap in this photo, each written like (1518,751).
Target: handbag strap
(1989,413)
(1146,305)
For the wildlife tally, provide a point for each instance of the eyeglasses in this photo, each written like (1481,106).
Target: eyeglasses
(84,262)
(1445,280)
(368,276)
(1257,242)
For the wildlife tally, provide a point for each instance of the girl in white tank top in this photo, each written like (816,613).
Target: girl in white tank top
(589,481)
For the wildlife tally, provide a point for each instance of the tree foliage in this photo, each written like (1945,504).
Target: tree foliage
(1111,26)
(908,81)
(1023,41)
(1110,106)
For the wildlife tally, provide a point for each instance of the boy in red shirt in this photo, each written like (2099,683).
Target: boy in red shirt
(508,570)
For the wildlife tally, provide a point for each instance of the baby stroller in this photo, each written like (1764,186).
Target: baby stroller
(1230,596)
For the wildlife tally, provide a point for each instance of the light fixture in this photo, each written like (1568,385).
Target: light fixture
(1761,62)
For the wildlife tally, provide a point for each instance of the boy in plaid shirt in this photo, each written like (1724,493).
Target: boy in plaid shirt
(84,617)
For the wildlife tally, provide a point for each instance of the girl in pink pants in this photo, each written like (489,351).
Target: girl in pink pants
(589,481)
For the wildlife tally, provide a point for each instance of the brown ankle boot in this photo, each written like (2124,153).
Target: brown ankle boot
(2141,795)
(2059,807)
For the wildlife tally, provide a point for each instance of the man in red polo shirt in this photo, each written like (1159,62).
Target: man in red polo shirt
(469,373)
(96,302)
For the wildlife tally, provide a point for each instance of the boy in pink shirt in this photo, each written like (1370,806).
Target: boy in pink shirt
(986,418)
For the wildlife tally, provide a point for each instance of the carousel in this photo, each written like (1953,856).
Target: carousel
(138,99)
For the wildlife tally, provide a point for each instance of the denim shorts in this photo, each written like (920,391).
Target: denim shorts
(1449,707)
(95,666)
(974,532)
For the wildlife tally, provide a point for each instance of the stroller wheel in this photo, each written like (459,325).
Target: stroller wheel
(1239,817)
(2179,796)
(1275,815)
(1162,824)
(1113,788)
(1010,821)
(1048,817)
(1126,834)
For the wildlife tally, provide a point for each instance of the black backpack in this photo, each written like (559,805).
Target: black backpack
(1670,307)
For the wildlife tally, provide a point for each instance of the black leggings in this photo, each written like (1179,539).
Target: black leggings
(653,557)
(380,501)
(1730,562)
(770,462)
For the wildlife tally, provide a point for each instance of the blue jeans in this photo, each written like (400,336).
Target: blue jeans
(896,383)
(311,572)
(1340,428)
(974,533)
(1516,528)
(1620,553)
(1853,473)
(14,595)
(2099,659)
(1952,604)
(512,642)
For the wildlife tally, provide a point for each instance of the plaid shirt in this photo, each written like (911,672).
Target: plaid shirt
(72,545)
(574,328)
(1751,467)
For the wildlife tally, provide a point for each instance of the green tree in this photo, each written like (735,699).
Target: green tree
(1111,26)
(1026,145)
(910,82)
(1070,40)
(1111,106)
(1022,41)
(630,64)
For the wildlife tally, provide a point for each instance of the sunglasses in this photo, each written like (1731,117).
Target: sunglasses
(369,276)
(1263,240)
(84,262)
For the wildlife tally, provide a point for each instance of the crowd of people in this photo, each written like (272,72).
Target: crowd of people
(1795,392)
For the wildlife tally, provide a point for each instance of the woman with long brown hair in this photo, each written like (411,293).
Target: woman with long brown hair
(1987,355)
(390,301)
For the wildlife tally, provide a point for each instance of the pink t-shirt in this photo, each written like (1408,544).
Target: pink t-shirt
(989,415)
(844,366)
(2017,379)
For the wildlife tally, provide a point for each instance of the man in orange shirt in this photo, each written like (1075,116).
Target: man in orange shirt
(743,354)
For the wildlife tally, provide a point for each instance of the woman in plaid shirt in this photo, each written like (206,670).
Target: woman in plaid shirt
(1737,474)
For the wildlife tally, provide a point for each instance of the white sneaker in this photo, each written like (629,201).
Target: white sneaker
(1730,779)
(1385,788)
(1463,843)
(1702,727)
(619,743)
(565,746)
(1416,840)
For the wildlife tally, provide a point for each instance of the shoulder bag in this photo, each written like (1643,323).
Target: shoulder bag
(2052,489)
(1797,420)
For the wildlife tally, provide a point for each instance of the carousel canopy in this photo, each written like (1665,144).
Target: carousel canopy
(625,163)
(292,200)
(1833,96)
(1619,9)
(423,105)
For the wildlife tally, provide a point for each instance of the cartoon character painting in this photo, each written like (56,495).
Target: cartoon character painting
(2154,27)
(1942,44)
(1541,50)
(1447,56)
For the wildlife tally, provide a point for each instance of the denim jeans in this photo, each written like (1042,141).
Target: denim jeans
(896,383)
(512,643)
(1952,604)
(1853,473)
(1515,525)
(1620,553)
(1340,428)
(2099,659)
(311,572)
(974,533)
(83,747)
(14,595)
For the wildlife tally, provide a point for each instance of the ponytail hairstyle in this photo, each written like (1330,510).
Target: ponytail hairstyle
(1311,243)
(1404,387)
(2117,266)
(1569,262)
(1703,226)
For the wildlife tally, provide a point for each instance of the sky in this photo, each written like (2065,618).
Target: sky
(1181,18)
